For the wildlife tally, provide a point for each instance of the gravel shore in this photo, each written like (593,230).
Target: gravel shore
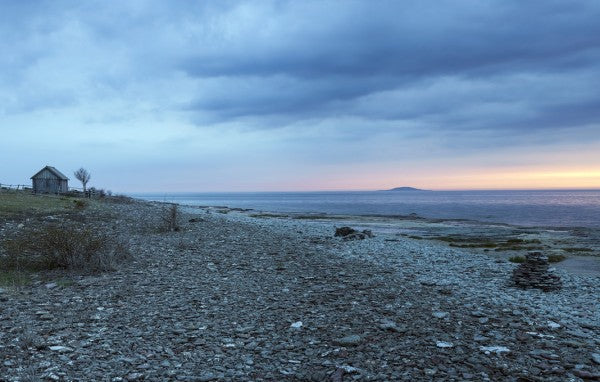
(235,298)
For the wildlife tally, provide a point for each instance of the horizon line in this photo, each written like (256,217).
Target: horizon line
(369,190)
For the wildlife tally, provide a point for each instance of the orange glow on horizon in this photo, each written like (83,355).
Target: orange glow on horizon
(530,179)
(496,179)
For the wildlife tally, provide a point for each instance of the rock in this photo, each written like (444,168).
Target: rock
(134,376)
(442,344)
(494,349)
(208,376)
(296,325)
(344,231)
(480,338)
(596,358)
(348,233)
(350,369)
(60,349)
(51,285)
(440,314)
(351,340)
(392,326)
(553,325)
(586,375)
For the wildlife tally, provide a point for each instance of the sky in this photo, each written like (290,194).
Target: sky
(164,96)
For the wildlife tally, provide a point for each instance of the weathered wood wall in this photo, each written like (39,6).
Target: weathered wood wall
(47,182)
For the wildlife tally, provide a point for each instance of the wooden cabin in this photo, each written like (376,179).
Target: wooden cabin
(50,181)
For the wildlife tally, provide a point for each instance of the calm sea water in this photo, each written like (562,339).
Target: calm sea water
(528,208)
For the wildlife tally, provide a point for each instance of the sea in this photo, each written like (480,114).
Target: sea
(543,208)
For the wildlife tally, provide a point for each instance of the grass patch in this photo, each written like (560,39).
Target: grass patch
(14,278)
(518,248)
(18,203)
(516,259)
(62,247)
(512,244)
(576,250)
(63,283)
(556,258)
(318,217)
(488,244)
(264,216)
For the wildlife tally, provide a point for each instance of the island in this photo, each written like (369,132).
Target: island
(405,189)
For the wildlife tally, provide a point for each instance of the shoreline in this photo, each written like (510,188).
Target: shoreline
(580,244)
(230,297)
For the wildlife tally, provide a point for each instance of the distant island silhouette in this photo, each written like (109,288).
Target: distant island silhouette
(405,189)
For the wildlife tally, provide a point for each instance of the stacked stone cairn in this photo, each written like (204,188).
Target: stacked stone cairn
(534,273)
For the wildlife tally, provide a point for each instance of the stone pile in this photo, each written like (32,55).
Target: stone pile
(534,273)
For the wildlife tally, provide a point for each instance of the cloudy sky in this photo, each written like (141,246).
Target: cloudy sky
(302,95)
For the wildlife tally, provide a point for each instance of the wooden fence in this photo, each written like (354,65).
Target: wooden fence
(27,187)
(15,187)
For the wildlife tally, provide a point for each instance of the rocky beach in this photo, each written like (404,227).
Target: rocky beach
(239,296)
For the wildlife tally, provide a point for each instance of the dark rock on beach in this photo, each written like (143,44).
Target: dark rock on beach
(348,233)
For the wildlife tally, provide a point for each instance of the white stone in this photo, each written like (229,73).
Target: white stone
(442,344)
(296,325)
(60,349)
(553,325)
(494,349)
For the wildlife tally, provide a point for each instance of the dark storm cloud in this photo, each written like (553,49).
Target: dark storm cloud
(462,65)
(317,59)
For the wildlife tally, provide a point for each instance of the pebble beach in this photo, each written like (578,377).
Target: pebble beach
(232,297)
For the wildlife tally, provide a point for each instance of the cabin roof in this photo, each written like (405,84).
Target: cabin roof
(54,171)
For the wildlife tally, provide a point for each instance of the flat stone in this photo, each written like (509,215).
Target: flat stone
(392,327)
(134,376)
(494,349)
(296,325)
(553,325)
(596,358)
(440,314)
(443,345)
(586,375)
(208,376)
(351,340)
(60,349)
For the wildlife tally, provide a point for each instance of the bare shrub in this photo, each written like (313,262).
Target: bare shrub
(170,217)
(83,176)
(63,247)
(79,204)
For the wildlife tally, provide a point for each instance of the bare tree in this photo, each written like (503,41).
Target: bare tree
(83,176)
